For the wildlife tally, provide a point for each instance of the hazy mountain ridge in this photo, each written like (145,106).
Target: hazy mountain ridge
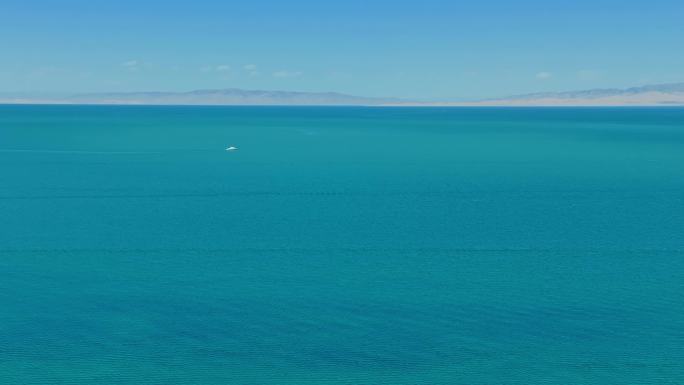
(658,94)
(649,95)
(231,96)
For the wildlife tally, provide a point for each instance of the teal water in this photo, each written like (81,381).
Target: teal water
(341,245)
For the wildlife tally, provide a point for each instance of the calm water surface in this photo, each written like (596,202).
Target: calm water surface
(350,246)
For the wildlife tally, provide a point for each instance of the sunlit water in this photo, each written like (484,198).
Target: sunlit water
(341,246)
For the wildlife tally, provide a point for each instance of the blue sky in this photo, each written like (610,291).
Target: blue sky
(429,49)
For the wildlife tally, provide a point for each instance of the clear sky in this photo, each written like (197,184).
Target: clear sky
(430,49)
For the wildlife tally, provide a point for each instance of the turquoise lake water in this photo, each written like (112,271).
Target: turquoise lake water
(341,245)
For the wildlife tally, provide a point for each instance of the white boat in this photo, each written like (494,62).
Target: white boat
(231,148)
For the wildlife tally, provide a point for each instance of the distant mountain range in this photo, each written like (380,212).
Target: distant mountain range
(232,96)
(651,95)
